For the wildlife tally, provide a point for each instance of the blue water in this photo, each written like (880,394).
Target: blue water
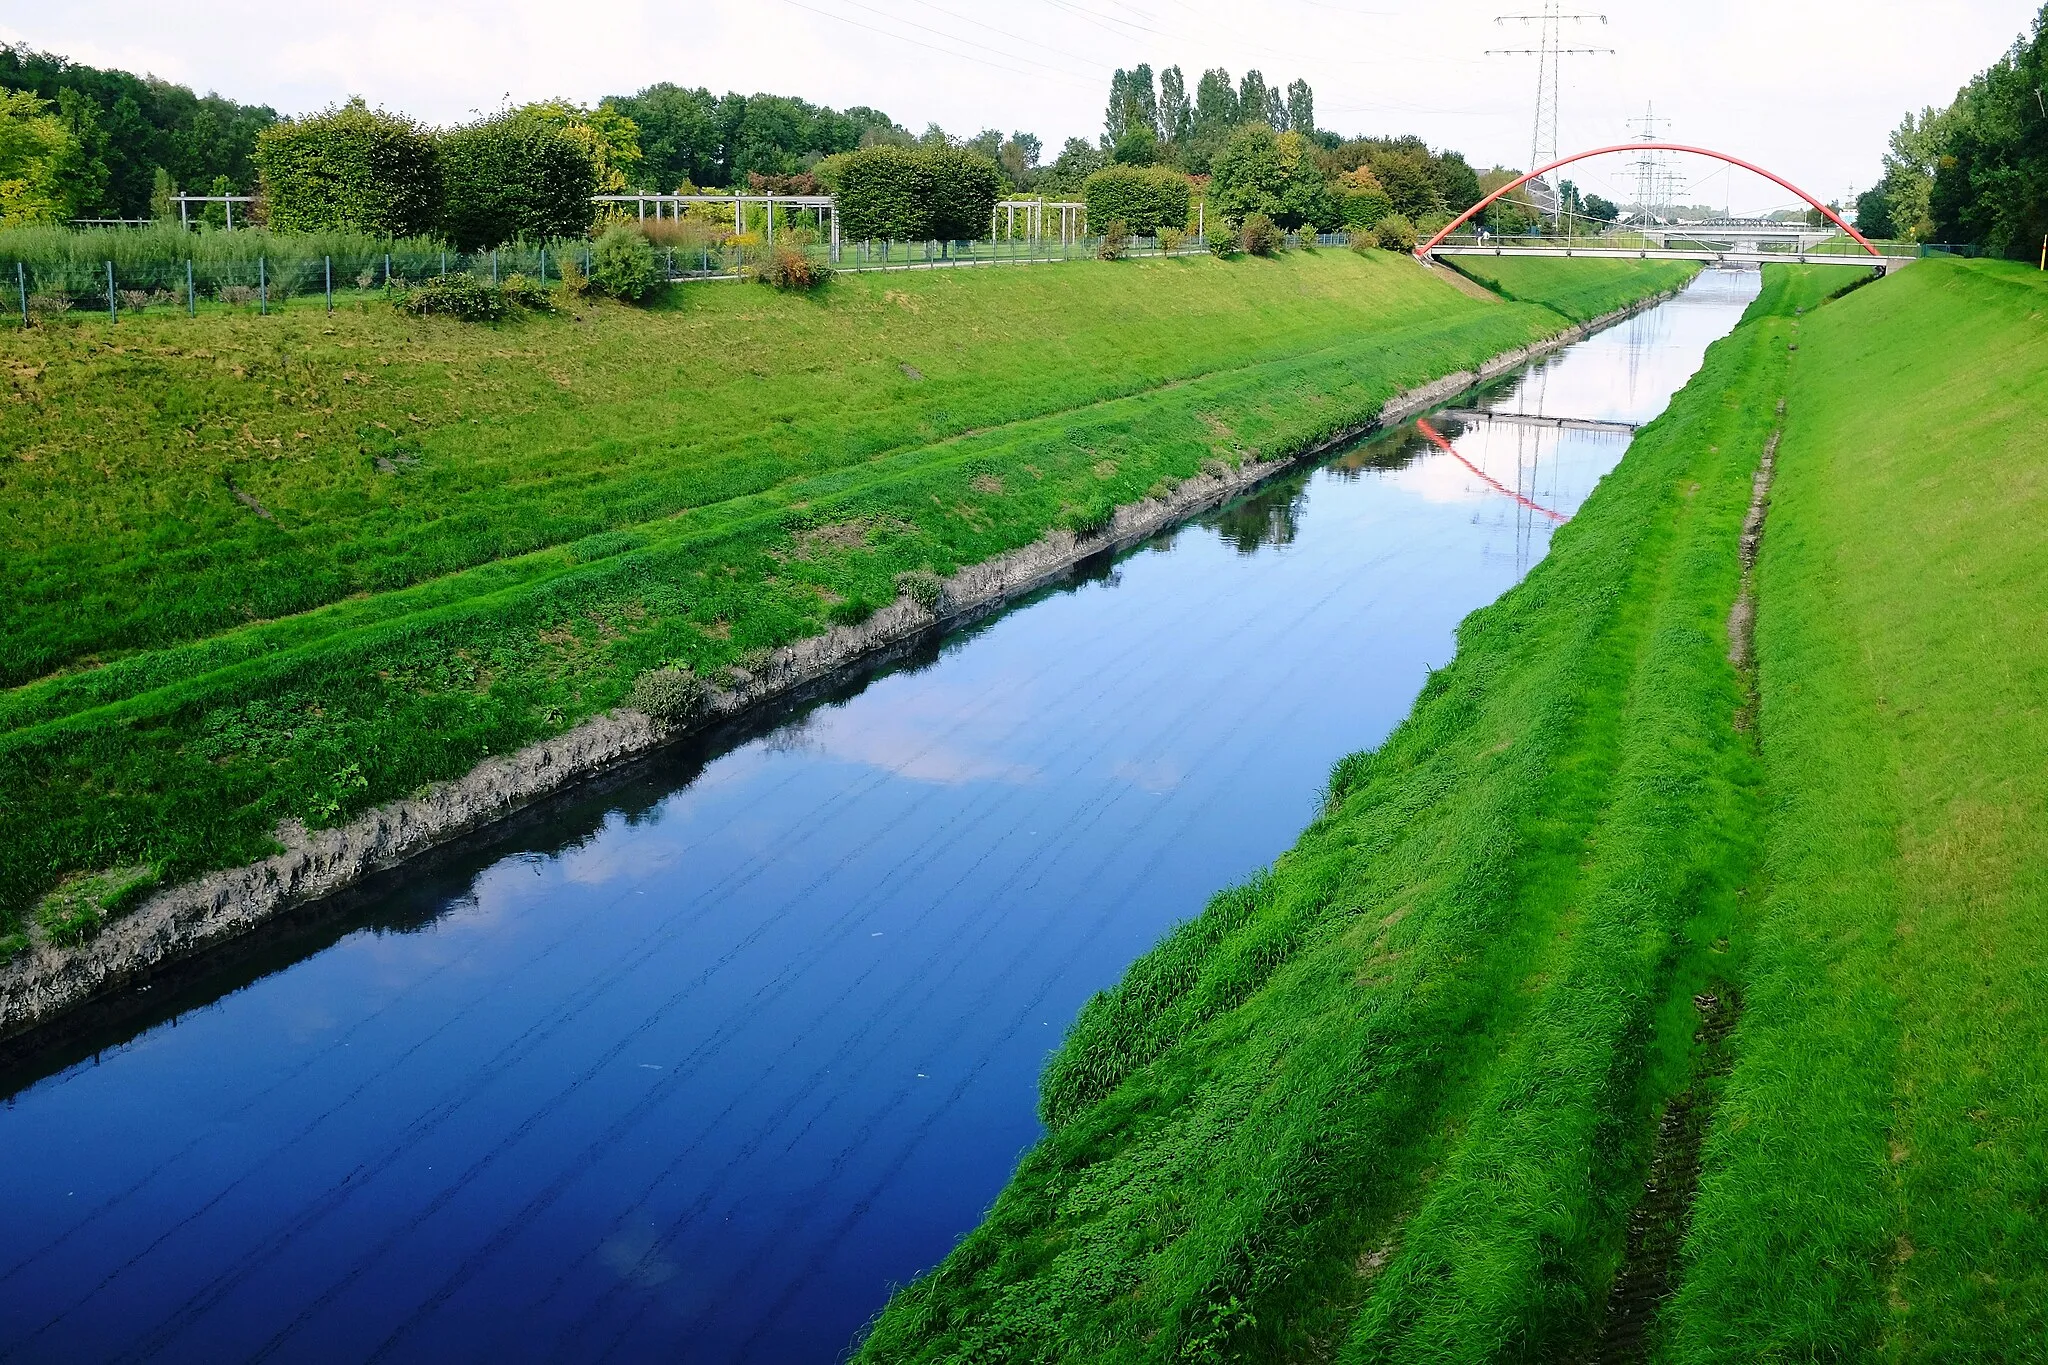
(698,1062)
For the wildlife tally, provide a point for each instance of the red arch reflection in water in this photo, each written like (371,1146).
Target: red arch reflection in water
(1431,432)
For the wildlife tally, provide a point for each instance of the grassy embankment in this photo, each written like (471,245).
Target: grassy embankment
(288,567)
(1552,282)
(1394,1101)
(1875,1186)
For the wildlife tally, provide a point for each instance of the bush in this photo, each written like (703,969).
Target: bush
(622,264)
(1222,239)
(1396,233)
(1362,240)
(1147,198)
(1116,241)
(964,188)
(926,589)
(1259,235)
(464,296)
(791,267)
(350,168)
(667,694)
(515,176)
(914,194)
(1172,240)
(885,192)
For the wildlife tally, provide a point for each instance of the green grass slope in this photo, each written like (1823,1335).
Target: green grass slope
(1582,288)
(1394,1100)
(261,569)
(1877,1180)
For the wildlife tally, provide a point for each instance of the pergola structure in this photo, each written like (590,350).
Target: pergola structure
(229,200)
(820,204)
(1073,218)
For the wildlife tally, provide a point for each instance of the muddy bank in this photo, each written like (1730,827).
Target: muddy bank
(184,922)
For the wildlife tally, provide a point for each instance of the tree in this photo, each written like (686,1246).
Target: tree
(1361,200)
(1133,104)
(34,147)
(142,124)
(520,174)
(1874,213)
(1301,108)
(350,167)
(1409,176)
(1215,102)
(1077,160)
(1176,114)
(84,174)
(1137,147)
(1601,210)
(1019,159)
(1251,99)
(679,133)
(915,193)
(609,137)
(163,195)
(1276,174)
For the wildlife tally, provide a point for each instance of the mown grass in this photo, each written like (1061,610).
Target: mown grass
(1393,1100)
(1581,289)
(287,568)
(1877,1182)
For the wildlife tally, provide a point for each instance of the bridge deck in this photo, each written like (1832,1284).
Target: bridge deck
(1881,264)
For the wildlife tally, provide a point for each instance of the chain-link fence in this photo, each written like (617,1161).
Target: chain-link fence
(111,274)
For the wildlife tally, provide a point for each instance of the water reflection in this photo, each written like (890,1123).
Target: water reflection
(698,1060)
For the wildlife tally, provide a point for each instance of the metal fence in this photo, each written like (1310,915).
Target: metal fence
(269,280)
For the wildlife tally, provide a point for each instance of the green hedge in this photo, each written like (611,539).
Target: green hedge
(515,176)
(1146,198)
(914,194)
(351,168)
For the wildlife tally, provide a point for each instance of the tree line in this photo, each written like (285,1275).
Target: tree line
(1974,173)
(76,141)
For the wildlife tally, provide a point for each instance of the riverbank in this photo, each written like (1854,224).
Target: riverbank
(1658,990)
(202,754)
(1396,1099)
(1872,1185)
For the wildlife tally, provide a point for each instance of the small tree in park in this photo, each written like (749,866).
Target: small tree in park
(1145,198)
(350,168)
(884,192)
(964,189)
(516,175)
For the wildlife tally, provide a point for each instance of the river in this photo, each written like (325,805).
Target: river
(696,1062)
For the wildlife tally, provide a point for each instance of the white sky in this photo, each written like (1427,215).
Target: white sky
(1808,90)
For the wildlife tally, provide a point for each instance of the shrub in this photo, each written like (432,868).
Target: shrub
(964,189)
(1396,233)
(669,695)
(1259,235)
(463,295)
(1172,240)
(926,589)
(1361,200)
(516,176)
(1116,241)
(1361,240)
(1147,198)
(910,194)
(791,267)
(622,264)
(353,168)
(1222,239)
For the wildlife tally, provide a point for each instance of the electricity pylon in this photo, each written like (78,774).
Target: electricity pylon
(1651,181)
(1549,53)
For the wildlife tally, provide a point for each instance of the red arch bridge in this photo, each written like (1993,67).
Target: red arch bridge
(1731,244)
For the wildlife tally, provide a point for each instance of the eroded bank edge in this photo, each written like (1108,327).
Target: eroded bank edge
(187,920)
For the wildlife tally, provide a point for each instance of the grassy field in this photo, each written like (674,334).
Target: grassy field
(1875,1187)
(1394,1100)
(288,567)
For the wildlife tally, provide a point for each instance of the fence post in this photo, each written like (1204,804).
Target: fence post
(112,316)
(444,265)
(262,289)
(494,265)
(544,267)
(387,270)
(191,296)
(330,282)
(21,282)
